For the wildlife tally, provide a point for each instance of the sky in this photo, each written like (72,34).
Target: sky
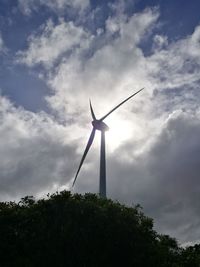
(55,55)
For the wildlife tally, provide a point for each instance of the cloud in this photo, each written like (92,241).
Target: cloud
(159,42)
(163,176)
(47,47)
(114,66)
(88,64)
(55,5)
(36,152)
(1,43)
(178,64)
(3,48)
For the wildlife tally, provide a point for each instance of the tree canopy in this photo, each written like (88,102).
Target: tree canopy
(84,230)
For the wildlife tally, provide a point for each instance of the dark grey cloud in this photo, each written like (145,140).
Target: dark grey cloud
(164,178)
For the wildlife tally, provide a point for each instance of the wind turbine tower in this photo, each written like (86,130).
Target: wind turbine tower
(99,124)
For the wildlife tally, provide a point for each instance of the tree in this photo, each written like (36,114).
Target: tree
(77,230)
(191,256)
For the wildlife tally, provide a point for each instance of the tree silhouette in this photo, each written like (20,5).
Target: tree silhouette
(77,230)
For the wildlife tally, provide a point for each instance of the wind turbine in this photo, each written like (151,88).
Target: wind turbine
(98,124)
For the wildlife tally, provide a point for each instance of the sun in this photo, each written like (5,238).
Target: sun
(120,130)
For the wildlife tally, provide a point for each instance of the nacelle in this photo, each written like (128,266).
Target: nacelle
(100,125)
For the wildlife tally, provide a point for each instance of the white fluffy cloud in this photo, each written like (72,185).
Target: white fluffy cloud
(178,64)
(36,152)
(117,65)
(26,6)
(91,65)
(54,40)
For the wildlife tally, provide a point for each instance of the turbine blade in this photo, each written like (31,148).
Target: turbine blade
(92,111)
(89,143)
(120,104)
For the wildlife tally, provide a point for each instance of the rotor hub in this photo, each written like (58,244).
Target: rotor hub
(100,125)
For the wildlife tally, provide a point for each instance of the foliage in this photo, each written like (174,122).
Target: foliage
(191,256)
(77,230)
